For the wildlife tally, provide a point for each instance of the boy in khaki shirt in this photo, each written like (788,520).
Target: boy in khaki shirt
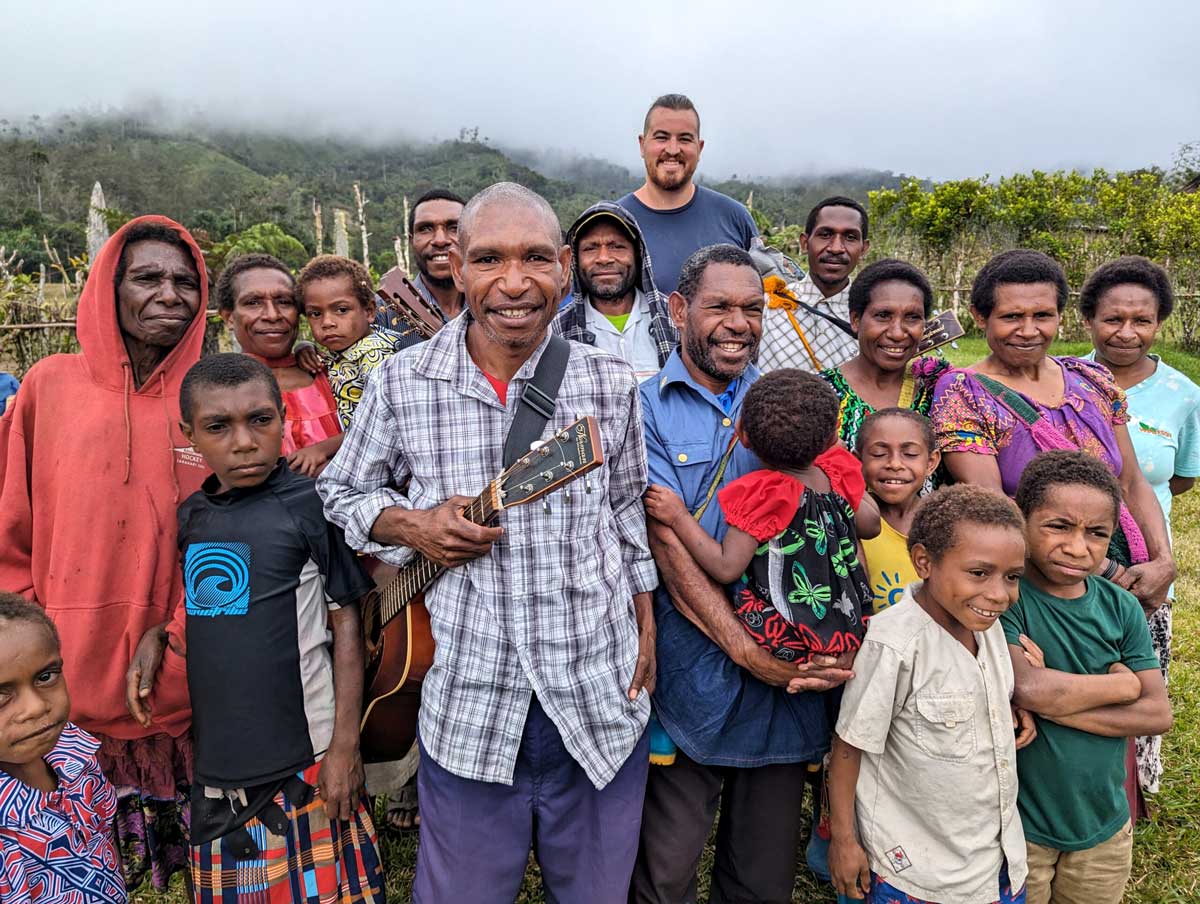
(923,780)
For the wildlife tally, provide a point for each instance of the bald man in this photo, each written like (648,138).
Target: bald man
(533,716)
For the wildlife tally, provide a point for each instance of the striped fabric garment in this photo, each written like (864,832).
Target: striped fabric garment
(318,861)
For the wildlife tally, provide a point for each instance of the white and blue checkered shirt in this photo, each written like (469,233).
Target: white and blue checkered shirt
(550,609)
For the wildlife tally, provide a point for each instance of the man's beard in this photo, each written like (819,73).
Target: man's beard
(620,290)
(435,282)
(699,350)
(667,183)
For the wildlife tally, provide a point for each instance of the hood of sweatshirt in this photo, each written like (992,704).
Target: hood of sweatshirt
(612,210)
(91,472)
(99,331)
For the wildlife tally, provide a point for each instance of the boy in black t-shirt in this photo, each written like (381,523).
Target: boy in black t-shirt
(276,694)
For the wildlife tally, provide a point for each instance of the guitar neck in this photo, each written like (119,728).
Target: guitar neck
(421,572)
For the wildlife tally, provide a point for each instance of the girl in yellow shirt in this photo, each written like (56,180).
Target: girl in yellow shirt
(898,453)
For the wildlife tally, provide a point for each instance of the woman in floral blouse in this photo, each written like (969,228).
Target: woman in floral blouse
(889,303)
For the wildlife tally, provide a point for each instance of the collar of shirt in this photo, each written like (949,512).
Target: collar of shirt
(806,290)
(378,337)
(445,357)
(426,293)
(640,310)
(676,372)
(69,760)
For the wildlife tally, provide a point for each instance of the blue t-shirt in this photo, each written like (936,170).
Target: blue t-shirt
(672,236)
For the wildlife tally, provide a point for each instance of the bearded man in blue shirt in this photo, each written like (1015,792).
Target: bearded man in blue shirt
(745,724)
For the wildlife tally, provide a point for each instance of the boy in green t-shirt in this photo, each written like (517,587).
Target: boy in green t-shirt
(1083,663)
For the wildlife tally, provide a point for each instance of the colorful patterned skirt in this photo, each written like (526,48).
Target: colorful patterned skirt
(317,860)
(152,777)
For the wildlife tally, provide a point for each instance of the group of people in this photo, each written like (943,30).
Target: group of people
(766,589)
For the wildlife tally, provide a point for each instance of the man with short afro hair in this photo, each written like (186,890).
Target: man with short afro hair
(807,323)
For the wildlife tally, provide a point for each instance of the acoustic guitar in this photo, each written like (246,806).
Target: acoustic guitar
(402,298)
(396,629)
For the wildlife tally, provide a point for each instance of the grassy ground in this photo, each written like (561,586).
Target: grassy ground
(1166,858)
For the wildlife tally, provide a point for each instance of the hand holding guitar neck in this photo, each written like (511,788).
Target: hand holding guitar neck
(441,534)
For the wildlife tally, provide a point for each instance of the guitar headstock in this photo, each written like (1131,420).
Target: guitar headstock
(401,296)
(568,454)
(939,331)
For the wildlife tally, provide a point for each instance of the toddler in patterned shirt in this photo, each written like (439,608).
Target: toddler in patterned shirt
(56,806)
(336,296)
(792,547)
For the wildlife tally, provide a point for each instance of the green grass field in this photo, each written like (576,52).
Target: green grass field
(1166,859)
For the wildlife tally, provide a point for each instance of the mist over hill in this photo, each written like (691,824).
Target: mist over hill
(218,181)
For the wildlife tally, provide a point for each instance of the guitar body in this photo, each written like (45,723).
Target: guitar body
(397,659)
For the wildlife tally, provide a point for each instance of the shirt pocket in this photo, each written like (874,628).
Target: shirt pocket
(946,725)
(692,462)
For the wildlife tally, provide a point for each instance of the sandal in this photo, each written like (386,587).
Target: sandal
(402,814)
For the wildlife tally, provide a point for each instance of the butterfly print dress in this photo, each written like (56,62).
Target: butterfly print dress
(805,591)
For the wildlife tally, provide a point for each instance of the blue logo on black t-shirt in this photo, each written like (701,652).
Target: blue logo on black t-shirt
(216,578)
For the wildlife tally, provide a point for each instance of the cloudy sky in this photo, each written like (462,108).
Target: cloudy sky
(940,88)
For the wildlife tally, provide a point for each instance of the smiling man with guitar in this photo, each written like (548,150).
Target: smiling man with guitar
(533,712)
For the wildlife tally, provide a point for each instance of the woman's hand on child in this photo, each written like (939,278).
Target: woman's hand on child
(664,505)
(340,781)
(309,461)
(139,677)
(1033,653)
(1148,581)
(308,358)
(848,868)
(1024,725)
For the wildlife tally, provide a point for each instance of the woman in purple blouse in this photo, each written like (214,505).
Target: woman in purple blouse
(1017,300)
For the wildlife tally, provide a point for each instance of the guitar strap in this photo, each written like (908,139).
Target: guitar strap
(538,401)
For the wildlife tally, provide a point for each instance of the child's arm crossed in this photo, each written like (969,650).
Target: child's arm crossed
(1150,714)
(1053,694)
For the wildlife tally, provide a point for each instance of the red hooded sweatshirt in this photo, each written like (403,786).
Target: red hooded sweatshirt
(91,472)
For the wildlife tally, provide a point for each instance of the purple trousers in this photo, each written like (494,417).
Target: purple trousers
(476,836)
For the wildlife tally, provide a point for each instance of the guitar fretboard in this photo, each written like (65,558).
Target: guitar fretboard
(421,572)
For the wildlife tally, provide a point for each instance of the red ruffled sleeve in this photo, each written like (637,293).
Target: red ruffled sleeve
(762,503)
(845,474)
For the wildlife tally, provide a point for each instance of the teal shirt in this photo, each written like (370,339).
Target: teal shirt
(1072,793)
(1164,426)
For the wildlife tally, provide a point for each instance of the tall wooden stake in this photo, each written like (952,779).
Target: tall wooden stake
(318,226)
(97,227)
(360,199)
(341,234)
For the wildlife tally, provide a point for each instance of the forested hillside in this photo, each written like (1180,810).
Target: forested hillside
(219,182)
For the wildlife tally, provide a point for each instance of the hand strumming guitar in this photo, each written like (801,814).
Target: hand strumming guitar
(441,533)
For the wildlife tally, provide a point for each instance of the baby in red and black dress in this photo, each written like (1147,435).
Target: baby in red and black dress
(792,550)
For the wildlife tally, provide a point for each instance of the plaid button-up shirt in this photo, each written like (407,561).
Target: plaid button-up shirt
(781,347)
(550,609)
